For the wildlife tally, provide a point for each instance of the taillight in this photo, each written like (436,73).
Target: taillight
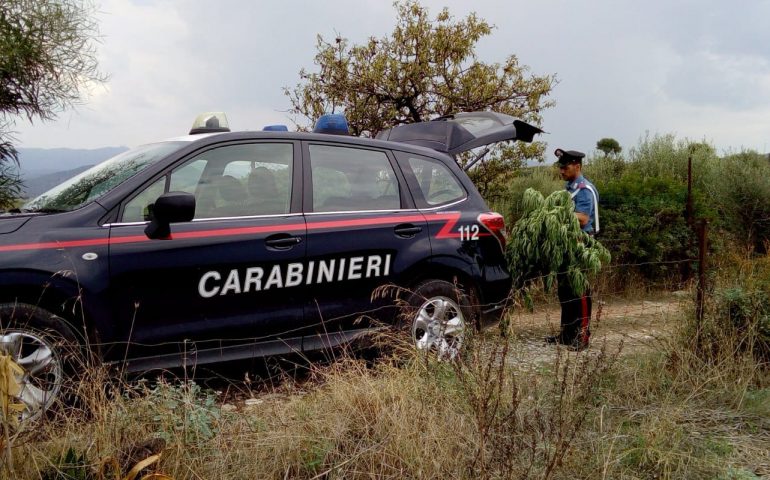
(495,223)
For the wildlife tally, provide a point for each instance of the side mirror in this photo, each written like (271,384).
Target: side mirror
(170,208)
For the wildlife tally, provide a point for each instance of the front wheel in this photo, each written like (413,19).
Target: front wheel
(439,319)
(37,349)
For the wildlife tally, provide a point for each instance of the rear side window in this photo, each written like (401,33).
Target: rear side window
(348,179)
(436,184)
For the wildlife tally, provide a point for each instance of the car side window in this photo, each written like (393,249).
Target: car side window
(138,208)
(349,178)
(436,182)
(230,181)
(187,177)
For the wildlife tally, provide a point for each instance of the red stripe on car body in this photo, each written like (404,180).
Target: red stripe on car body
(446,230)
(57,244)
(450,218)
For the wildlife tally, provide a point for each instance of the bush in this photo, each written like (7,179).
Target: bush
(185,411)
(663,156)
(736,323)
(740,190)
(543,179)
(643,200)
(745,315)
(747,310)
(642,223)
(602,169)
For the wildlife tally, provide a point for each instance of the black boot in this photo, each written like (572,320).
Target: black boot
(577,346)
(552,339)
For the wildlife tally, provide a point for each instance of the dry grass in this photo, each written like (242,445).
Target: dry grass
(409,418)
(684,412)
(675,411)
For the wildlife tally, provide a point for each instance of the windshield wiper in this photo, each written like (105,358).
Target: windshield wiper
(43,210)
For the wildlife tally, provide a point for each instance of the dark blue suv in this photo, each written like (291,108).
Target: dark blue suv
(228,245)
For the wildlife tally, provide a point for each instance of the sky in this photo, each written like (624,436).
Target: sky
(697,69)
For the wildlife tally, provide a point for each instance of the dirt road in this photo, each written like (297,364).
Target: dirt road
(638,324)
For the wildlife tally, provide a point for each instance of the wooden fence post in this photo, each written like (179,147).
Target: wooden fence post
(701,295)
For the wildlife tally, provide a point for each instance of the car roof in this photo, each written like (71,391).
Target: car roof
(210,138)
(448,135)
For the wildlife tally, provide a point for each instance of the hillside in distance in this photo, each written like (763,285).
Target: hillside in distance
(37,184)
(44,168)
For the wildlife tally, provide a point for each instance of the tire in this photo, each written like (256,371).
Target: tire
(438,318)
(46,349)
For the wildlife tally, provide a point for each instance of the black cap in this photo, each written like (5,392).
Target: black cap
(567,157)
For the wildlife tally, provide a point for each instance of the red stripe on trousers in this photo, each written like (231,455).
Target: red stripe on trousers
(584,323)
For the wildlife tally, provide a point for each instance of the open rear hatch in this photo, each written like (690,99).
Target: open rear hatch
(461,132)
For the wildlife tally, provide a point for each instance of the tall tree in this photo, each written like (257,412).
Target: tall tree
(47,60)
(609,146)
(427,67)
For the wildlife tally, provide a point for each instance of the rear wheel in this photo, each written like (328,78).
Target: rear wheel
(439,319)
(40,349)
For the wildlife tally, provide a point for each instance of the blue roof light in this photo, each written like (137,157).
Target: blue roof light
(332,123)
(276,128)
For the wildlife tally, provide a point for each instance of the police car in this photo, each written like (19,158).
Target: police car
(224,245)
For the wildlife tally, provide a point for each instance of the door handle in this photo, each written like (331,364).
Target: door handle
(407,230)
(282,241)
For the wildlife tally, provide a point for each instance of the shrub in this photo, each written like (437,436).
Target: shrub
(183,411)
(543,179)
(735,328)
(643,197)
(745,313)
(740,190)
(747,309)
(604,168)
(642,223)
(663,156)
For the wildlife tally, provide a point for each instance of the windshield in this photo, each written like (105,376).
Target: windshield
(100,179)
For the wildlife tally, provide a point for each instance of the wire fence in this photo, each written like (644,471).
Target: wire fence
(603,294)
(639,315)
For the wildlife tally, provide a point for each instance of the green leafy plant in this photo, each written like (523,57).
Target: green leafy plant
(643,220)
(609,146)
(184,410)
(427,67)
(69,466)
(748,313)
(543,179)
(548,240)
(48,61)
(10,185)
(740,191)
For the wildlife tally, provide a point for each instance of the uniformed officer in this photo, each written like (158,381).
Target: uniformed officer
(576,309)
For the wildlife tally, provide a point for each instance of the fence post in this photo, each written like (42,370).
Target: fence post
(701,295)
(688,206)
(688,217)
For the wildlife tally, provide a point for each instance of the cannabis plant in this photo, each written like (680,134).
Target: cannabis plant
(547,240)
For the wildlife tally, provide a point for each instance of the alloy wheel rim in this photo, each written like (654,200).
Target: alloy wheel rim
(439,326)
(41,380)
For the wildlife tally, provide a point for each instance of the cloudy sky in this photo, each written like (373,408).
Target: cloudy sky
(698,69)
